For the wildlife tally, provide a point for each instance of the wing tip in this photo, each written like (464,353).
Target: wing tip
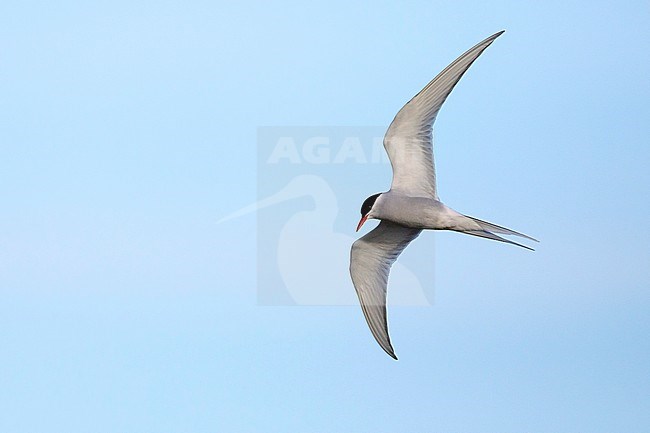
(390,353)
(491,39)
(385,343)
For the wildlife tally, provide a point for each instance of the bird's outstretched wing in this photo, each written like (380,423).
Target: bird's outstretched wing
(409,139)
(370,261)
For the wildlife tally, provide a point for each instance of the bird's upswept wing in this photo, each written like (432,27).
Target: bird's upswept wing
(371,258)
(409,139)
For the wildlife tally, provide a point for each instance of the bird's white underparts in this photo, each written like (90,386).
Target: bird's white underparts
(412,203)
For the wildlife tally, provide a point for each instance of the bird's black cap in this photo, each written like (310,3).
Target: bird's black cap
(368,203)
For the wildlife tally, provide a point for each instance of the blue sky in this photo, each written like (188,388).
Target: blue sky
(127,130)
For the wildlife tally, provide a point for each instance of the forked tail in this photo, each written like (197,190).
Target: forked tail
(488,230)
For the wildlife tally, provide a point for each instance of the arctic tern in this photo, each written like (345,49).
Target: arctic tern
(412,204)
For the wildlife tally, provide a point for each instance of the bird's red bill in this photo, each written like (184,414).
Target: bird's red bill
(363,220)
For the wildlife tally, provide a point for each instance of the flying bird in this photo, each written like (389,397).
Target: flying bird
(412,204)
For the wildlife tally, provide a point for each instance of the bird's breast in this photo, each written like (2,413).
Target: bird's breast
(416,212)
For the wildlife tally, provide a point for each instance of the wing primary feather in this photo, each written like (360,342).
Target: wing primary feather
(450,80)
(371,258)
(409,139)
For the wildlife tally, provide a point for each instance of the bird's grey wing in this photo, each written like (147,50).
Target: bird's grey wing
(370,261)
(409,139)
